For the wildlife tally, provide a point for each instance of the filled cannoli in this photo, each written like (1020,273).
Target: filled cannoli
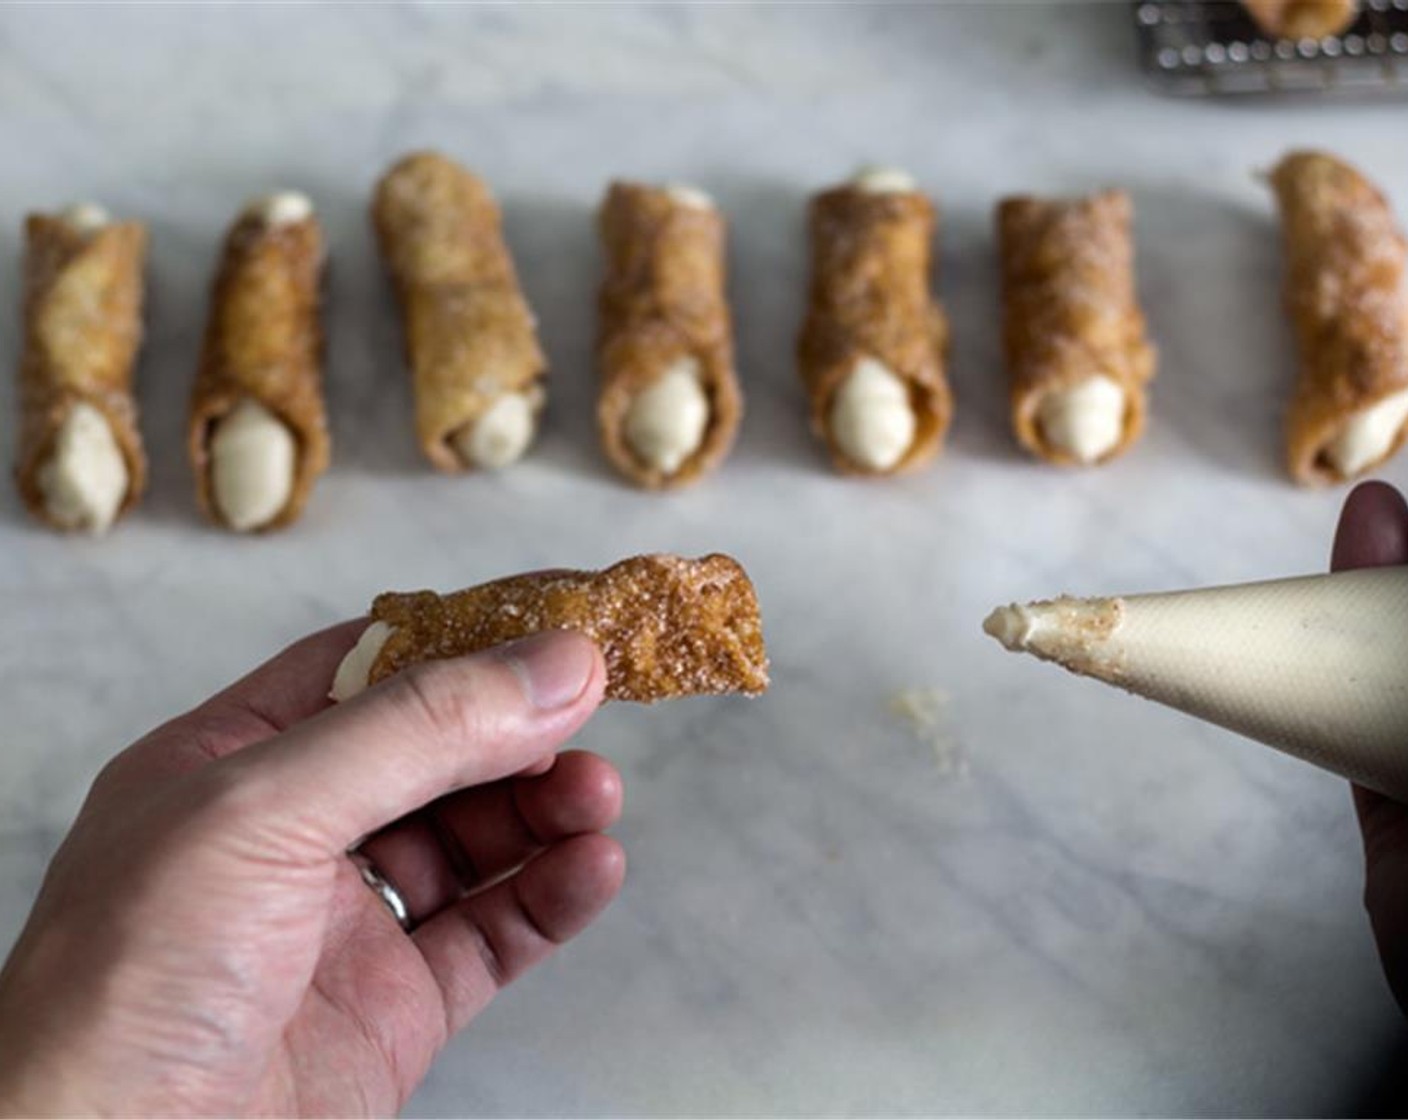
(476,366)
(872,349)
(1346,294)
(669,405)
(258,428)
(1312,666)
(1073,332)
(1302,19)
(80,463)
(667,626)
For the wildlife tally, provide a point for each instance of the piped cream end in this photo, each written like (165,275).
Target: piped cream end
(85,217)
(666,423)
(871,418)
(691,197)
(1078,634)
(356,667)
(501,435)
(283,208)
(884,180)
(1368,435)
(1086,420)
(253,459)
(1011,625)
(85,480)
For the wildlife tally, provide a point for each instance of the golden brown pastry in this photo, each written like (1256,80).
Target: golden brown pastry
(669,405)
(1302,19)
(1348,301)
(258,427)
(667,626)
(476,365)
(872,349)
(1073,332)
(80,463)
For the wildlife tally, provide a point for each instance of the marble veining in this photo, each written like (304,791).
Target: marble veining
(1115,909)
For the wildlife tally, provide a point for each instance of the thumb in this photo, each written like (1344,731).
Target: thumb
(431,729)
(1373,529)
(1373,532)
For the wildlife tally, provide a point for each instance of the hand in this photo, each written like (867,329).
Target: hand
(203,945)
(1373,532)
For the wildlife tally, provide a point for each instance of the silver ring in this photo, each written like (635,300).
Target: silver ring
(383,889)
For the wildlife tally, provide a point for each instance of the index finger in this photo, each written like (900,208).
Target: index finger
(292,685)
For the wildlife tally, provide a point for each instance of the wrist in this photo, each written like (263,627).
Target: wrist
(49,1023)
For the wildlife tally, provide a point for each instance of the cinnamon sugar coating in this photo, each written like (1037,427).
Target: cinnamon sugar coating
(469,333)
(1302,19)
(82,331)
(662,299)
(1070,311)
(1347,298)
(264,341)
(667,626)
(869,297)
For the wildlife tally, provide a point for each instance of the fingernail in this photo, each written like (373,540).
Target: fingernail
(553,667)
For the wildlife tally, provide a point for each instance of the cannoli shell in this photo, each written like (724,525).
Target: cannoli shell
(667,626)
(82,330)
(1346,297)
(1069,308)
(469,333)
(870,298)
(263,341)
(1302,19)
(662,300)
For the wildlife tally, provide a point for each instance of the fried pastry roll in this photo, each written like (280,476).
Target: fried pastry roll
(80,463)
(258,426)
(1074,335)
(667,626)
(1302,19)
(476,365)
(873,347)
(669,403)
(1346,296)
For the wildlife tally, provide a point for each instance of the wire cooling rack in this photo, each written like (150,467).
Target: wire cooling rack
(1209,48)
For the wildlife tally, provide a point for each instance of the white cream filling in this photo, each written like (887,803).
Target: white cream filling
(1081,634)
(252,460)
(1368,435)
(500,435)
(884,180)
(1011,625)
(1085,421)
(85,479)
(691,197)
(283,208)
(356,667)
(85,217)
(665,423)
(871,418)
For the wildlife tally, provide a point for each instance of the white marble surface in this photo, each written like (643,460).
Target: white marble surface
(1114,910)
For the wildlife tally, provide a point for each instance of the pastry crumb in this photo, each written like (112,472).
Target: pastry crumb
(925,713)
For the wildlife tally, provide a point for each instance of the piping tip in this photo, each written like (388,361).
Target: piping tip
(1316,667)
